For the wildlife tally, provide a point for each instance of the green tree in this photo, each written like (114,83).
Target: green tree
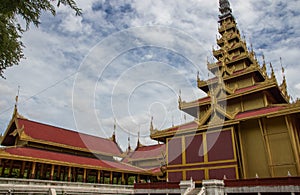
(11,11)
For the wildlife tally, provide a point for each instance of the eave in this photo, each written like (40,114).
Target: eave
(191,107)
(111,166)
(204,85)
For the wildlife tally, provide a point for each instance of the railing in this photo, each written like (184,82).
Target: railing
(158,185)
(278,181)
(11,185)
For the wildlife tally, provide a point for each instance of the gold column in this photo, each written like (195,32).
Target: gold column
(84,175)
(183,150)
(99,176)
(293,137)
(42,171)
(10,167)
(122,179)
(3,167)
(32,174)
(267,145)
(205,152)
(58,173)
(69,173)
(52,172)
(22,169)
(111,177)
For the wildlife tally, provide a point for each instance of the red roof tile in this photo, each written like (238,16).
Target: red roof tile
(66,137)
(190,125)
(258,112)
(245,89)
(207,98)
(68,158)
(153,151)
(155,170)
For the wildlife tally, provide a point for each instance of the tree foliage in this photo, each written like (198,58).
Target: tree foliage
(11,11)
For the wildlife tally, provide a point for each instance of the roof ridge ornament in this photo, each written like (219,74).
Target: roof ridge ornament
(224,8)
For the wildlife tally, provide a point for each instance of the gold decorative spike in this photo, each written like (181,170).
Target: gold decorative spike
(264,66)
(179,99)
(272,72)
(113,137)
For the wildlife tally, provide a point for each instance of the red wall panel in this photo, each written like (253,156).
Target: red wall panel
(194,149)
(220,146)
(174,151)
(175,176)
(219,173)
(197,175)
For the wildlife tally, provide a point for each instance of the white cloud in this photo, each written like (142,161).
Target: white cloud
(64,43)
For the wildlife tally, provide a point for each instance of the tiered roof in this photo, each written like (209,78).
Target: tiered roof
(44,156)
(237,77)
(32,131)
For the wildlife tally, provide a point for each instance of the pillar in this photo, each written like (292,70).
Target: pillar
(42,171)
(213,187)
(111,178)
(138,178)
(58,173)
(32,173)
(122,179)
(3,167)
(84,175)
(10,168)
(52,172)
(98,176)
(69,173)
(22,169)
(186,186)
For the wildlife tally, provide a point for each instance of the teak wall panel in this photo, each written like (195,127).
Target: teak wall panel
(253,101)
(283,159)
(253,150)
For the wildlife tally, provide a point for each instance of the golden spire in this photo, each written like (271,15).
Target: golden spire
(128,148)
(113,137)
(224,9)
(16,103)
(179,99)
(272,72)
(138,140)
(151,124)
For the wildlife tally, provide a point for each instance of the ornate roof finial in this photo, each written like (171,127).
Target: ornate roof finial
(151,124)
(282,69)
(224,8)
(129,148)
(138,140)
(272,71)
(17,96)
(264,66)
(179,98)
(113,137)
(16,103)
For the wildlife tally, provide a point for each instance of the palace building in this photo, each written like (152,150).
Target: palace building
(245,127)
(33,150)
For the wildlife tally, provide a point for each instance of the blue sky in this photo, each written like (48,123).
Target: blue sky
(129,59)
